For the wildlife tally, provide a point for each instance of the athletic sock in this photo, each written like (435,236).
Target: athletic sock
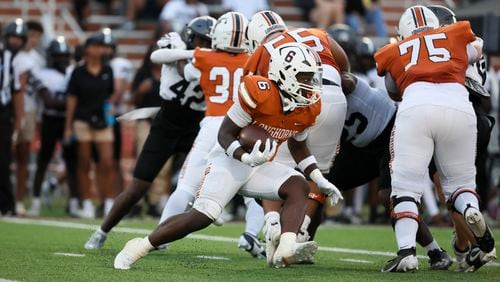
(432,246)
(465,200)
(406,228)
(108,204)
(254,217)
(176,204)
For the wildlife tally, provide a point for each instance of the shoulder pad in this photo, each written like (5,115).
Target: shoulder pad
(254,90)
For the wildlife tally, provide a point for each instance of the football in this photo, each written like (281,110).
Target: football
(250,134)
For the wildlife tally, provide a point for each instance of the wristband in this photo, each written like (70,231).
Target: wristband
(303,164)
(232,148)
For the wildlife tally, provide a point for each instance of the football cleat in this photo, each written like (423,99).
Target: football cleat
(272,232)
(484,237)
(134,250)
(406,261)
(475,259)
(251,244)
(439,259)
(96,241)
(295,253)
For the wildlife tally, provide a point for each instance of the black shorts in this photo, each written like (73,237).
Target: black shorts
(355,166)
(164,140)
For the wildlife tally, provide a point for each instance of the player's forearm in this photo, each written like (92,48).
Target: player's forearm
(167,56)
(302,156)
(227,136)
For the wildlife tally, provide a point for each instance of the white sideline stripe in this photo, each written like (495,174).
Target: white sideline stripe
(69,255)
(7,280)
(66,224)
(213,257)
(355,260)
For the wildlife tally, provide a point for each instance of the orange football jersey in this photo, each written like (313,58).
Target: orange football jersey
(315,38)
(260,98)
(221,74)
(438,56)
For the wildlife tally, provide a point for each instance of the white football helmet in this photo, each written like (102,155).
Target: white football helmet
(297,71)
(260,26)
(416,19)
(228,33)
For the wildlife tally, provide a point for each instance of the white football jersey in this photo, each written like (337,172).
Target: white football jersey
(56,83)
(173,87)
(28,61)
(369,110)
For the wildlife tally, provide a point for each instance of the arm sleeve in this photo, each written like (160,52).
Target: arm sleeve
(239,116)
(167,56)
(390,85)
(472,53)
(191,73)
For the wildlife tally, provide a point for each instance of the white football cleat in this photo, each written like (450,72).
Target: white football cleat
(134,250)
(272,232)
(406,261)
(251,244)
(295,253)
(96,240)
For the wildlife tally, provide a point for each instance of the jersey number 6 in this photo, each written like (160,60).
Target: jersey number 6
(435,54)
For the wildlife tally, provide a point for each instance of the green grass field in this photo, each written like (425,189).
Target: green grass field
(30,250)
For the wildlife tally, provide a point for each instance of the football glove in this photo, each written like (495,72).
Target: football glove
(256,157)
(326,187)
(171,40)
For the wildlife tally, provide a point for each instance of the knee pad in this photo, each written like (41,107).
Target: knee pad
(208,207)
(395,216)
(451,201)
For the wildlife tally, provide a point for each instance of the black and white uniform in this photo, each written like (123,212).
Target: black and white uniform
(176,125)
(364,151)
(9,83)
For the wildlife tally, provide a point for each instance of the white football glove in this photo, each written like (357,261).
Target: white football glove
(326,187)
(256,157)
(171,40)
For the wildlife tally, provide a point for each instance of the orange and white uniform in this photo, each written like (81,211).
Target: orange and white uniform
(324,137)
(260,103)
(435,117)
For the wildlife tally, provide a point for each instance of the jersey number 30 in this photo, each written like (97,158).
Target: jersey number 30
(435,54)
(222,89)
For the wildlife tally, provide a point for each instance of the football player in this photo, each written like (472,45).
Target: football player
(219,71)
(364,152)
(464,243)
(173,130)
(266,32)
(425,69)
(285,105)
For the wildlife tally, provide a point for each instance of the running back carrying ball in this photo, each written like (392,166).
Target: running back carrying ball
(250,134)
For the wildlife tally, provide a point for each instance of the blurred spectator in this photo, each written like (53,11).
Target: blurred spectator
(370,11)
(327,12)
(89,117)
(247,8)
(11,109)
(123,75)
(27,62)
(177,14)
(82,10)
(306,6)
(51,88)
(146,8)
(146,89)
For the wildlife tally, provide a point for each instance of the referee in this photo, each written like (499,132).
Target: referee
(11,109)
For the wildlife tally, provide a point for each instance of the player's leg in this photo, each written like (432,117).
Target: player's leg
(48,143)
(411,151)
(274,181)
(159,146)
(193,169)
(254,219)
(106,166)
(455,155)
(212,198)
